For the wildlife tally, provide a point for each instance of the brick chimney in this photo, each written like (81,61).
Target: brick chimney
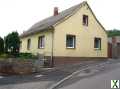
(55,11)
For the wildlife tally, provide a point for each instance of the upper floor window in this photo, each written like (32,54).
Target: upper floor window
(85,20)
(97,43)
(28,44)
(70,41)
(41,42)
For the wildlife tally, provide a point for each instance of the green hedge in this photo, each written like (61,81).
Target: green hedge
(27,56)
(19,55)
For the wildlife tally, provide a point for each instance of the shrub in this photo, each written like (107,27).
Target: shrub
(1,45)
(21,56)
(27,56)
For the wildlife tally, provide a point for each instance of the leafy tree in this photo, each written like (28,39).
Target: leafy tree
(1,45)
(12,43)
(114,32)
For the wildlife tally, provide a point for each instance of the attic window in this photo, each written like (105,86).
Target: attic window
(85,20)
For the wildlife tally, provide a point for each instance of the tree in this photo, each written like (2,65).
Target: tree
(114,32)
(1,45)
(12,43)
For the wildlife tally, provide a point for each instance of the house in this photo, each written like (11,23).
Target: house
(114,47)
(68,36)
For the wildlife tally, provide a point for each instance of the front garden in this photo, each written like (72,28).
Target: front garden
(14,62)
(20,63)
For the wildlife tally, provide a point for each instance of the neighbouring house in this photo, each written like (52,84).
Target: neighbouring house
(68,36)
(114,47)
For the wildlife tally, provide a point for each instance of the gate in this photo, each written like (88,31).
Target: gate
(109,50)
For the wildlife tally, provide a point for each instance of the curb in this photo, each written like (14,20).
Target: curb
(74,73)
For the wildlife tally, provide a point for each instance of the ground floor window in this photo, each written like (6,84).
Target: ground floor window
(70,41)
(97,43)
(28,44)
(20,44)
(41,42)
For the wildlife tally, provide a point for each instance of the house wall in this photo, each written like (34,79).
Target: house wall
(34,44)
(84,36)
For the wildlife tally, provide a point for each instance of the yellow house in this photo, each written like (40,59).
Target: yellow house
(71,35)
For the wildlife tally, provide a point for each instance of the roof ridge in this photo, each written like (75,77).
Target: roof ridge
(51,20)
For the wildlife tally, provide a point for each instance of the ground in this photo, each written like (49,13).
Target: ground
(47,78)
(96,77)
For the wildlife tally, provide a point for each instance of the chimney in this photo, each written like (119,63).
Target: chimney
(55,11)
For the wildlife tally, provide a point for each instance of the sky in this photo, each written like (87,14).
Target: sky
(20,15)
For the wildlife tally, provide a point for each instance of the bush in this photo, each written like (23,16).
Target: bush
(6,56)
(27,56)
(1,45)
(19,56)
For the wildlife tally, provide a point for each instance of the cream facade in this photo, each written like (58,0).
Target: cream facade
(72,24)
(34,44)
(84,36)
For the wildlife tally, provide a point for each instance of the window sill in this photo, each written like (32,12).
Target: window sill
(97,48)
(85,25)
(41,48)
(70,47)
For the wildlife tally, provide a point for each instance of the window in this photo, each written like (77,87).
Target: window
(97,43)
(28,44)
(85,20)
(41,42)
(20,44)
(70,41)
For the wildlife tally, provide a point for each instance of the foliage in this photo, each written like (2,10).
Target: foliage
(21,56)
(1,45)
(27,56)
(114,32)
(4,55)
(12,43)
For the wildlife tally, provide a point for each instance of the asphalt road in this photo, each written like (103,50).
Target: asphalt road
(42,80)
(94,78)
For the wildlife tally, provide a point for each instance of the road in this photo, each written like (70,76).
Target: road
(41,80)
(93,78)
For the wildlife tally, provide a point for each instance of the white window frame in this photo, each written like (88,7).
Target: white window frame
(41,42)
(74,43)
(99,43)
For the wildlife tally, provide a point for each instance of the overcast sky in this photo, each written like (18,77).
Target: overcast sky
(20,15)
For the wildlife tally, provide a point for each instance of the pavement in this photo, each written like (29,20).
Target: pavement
(45,79)
(95,77)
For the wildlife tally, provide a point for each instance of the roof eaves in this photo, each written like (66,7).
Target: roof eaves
(32,33)
(96,18)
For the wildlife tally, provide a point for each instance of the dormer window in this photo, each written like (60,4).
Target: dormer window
(85,20)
